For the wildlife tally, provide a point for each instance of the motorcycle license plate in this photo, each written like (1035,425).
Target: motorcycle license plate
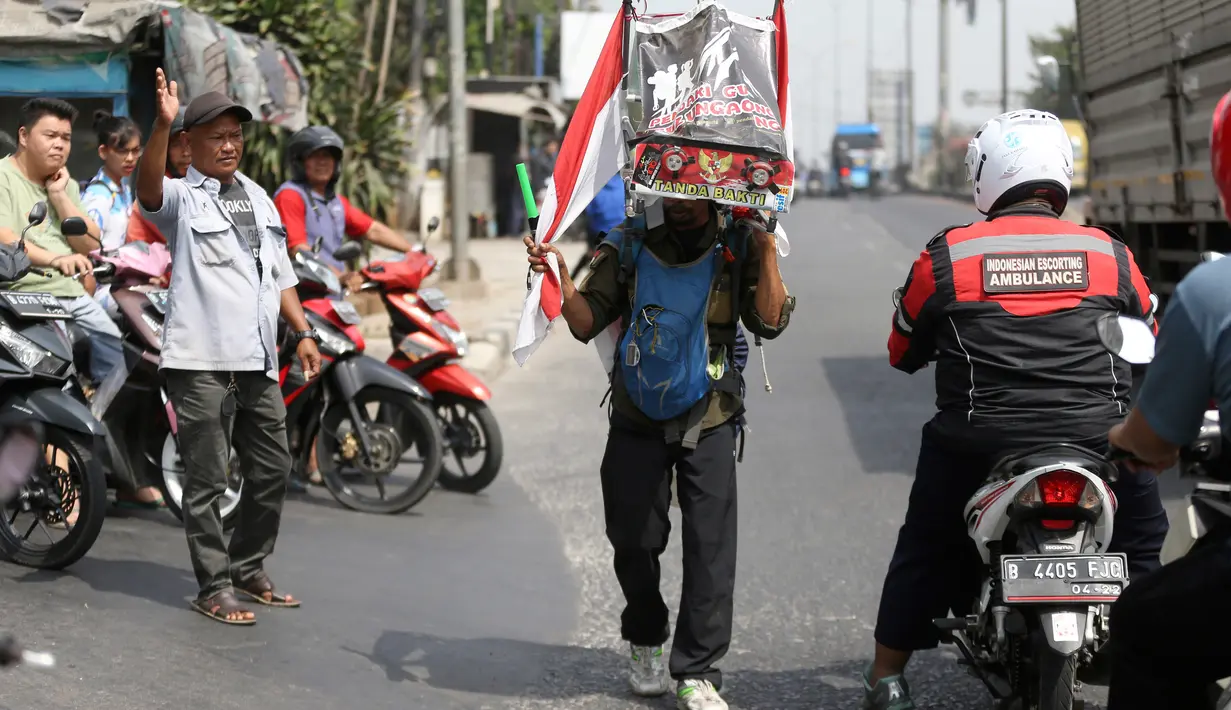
(346,311)
(34,305)
(158,299)
(1042,579)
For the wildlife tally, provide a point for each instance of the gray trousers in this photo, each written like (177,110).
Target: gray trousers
(259,437)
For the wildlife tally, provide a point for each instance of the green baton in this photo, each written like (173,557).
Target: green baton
(527,194)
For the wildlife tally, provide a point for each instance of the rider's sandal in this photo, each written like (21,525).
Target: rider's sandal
(222,604)
(260,589)
(127,503)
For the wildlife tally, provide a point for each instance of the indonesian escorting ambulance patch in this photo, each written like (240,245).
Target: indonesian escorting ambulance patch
(1034,272)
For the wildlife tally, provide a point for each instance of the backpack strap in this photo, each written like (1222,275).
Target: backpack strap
(687,430)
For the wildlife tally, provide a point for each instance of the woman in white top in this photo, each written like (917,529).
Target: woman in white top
(108,196)
(108,199)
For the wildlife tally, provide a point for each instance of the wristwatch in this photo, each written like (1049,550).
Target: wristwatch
(305,334)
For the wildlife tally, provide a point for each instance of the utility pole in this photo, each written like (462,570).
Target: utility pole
(1004,56)
(837,64)
(871,19)
(457,140)
(418,26)
(910,84)
(942,118)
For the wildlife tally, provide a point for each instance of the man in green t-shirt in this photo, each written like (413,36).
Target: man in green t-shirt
(37,172)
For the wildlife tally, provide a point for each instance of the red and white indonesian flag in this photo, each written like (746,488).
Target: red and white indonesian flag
(592,152)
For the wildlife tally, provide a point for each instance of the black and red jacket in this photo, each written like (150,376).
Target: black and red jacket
(1008,308)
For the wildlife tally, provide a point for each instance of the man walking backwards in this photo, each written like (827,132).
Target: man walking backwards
(231,276)
(687,280)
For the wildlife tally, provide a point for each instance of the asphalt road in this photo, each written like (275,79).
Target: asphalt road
(507,599)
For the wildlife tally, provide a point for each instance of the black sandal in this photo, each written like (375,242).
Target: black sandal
(260,589)
(222,605)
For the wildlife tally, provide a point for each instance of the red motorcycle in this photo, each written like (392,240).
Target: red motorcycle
(367,419)
(429,345)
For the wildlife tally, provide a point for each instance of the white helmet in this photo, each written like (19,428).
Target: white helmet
(1019,155)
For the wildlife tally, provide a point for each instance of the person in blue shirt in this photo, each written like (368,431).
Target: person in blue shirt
(605,212)
(1171,628)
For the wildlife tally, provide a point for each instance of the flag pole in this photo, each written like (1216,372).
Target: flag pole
(630,208)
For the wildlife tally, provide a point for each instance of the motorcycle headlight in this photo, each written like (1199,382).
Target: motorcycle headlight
(453,336)
(333,340)
(31,354)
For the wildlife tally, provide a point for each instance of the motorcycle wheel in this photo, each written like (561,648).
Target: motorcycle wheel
(172,484)
(401,422)
(1057,689)
(469,427)
(83,479)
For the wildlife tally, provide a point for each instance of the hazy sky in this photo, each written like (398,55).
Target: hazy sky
(974,54)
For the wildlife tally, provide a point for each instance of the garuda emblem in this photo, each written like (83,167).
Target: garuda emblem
(712,167)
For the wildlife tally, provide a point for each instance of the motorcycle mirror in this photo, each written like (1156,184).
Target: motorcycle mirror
(38,213)
(74,227)
(433,224)
(348,251)
(1130,339)
(1211,255)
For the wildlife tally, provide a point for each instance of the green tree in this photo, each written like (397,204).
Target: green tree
(1061,43)
(327,37)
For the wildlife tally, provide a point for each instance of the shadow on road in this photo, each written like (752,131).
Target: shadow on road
(884,409)
(143,579)
(499,667)
(524,669)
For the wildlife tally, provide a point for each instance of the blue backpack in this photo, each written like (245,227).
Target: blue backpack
(664,351)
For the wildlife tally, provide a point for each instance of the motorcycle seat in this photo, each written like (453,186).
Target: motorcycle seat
(1019,462)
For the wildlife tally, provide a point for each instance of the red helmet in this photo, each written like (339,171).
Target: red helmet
(1220,151)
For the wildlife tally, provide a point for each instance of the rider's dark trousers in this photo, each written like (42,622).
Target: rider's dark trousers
(259,438)
(1171,633)
(636,478)
(935,567)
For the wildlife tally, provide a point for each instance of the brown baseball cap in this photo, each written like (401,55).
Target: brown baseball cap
(211,105)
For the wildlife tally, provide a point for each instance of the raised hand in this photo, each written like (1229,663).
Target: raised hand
(167,97)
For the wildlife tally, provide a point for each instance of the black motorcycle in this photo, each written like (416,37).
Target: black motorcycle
(366,417)
(67,492)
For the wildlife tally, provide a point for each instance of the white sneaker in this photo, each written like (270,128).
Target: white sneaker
(698,695)
(646,673)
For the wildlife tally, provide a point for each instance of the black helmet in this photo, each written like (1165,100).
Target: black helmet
(308,141)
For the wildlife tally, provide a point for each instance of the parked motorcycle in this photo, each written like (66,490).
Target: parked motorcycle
(36,379)
(132,403)
(429,345)
(364,415)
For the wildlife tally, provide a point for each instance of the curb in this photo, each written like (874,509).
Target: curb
(500,334)
(490,346)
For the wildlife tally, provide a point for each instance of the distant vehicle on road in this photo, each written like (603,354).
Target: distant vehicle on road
(860,160)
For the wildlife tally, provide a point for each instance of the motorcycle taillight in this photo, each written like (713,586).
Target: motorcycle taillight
(1059,489)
